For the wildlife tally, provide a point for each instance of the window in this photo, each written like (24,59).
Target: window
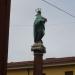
(69,73)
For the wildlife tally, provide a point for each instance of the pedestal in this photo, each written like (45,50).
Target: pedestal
(38,50)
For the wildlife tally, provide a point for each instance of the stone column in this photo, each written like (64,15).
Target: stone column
(38,50)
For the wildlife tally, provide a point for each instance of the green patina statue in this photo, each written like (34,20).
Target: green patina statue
(39,28)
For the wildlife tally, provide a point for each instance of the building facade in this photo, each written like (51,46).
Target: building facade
(51,66)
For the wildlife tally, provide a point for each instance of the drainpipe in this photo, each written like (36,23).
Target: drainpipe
(28,71)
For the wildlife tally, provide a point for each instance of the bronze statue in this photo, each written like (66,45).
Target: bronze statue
(39,28)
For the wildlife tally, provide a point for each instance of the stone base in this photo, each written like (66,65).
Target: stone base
(38,48)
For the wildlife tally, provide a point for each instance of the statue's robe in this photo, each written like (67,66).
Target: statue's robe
(39,28)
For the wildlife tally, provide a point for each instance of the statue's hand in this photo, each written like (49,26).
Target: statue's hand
(45,20)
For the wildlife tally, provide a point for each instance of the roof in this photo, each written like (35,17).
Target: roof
(48,62)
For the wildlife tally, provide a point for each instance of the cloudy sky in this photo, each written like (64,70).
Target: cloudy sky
(59,38)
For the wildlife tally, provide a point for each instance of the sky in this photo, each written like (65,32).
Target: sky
(59,38)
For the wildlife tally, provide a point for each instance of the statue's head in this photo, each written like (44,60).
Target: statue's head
(38,11)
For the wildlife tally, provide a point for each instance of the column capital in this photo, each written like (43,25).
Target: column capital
(38,48)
